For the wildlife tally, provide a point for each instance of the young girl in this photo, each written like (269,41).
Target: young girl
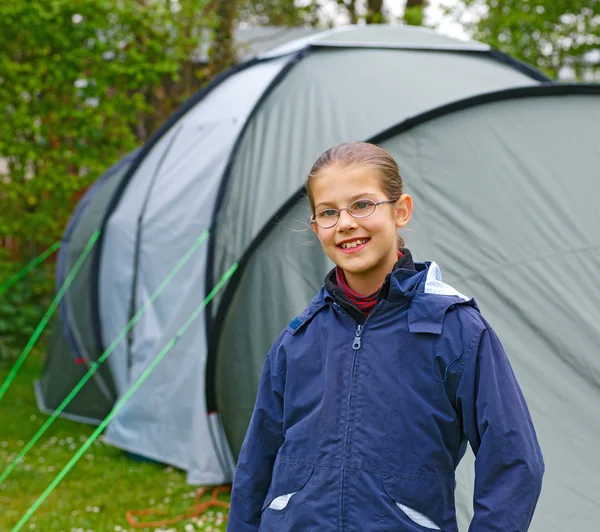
(368,398)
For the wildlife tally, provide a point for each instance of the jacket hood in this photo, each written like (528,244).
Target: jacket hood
(430,298)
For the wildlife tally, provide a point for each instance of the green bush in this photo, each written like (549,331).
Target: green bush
(77,82)
(23,305)
(81,84)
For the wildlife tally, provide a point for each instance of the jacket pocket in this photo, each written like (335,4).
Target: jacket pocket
(287,480)
(417,517)
(422,503)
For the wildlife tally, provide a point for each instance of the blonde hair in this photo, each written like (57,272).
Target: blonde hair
(349,154)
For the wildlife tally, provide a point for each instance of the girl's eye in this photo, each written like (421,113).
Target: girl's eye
(361,205)
(328,213)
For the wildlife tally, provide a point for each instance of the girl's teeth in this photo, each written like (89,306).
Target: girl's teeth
(353,244)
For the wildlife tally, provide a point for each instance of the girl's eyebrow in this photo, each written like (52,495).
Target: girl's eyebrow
(353,198)
(363,195)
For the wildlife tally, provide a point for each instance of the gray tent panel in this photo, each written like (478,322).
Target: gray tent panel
(323,101)
(182,187)
(119,249)
(248,141)
(379,34)
(63,266)
(167,399)
(174,184)
(514,222)
(285,274)
(61,373)
(60,376)
(506,204)
(397,34)
(255,40)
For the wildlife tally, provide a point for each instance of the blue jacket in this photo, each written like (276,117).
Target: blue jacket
(361,428)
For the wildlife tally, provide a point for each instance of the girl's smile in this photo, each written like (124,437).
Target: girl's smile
(353,245)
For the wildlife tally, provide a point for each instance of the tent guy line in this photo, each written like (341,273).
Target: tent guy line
(33,264)
(48,314)
(95,365)
(123,400)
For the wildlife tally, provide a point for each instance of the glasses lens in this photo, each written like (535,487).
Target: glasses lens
(362,208)
(327,218)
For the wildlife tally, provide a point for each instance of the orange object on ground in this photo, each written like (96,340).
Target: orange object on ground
(193,511)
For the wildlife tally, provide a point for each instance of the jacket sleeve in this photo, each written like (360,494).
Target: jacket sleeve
(508,464)
(263,439)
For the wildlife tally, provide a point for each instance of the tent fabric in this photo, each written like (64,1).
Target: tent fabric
(389,34)
(504,188)
(197,192)
(255,40)
(228,160)
(60,376)
(515,222)
(63,265)
(283,140)
(188,176)
(283,275)
(504,174)
(371,35)
(71,336)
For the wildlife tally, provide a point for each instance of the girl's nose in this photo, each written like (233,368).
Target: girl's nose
(346,221)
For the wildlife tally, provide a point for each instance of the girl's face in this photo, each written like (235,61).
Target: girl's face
(365,248)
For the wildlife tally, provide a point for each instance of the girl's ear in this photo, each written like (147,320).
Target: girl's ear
(403,209)
(314,228)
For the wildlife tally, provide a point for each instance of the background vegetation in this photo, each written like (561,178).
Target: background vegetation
(98,491)
(84,82)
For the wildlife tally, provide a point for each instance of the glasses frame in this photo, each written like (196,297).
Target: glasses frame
(313,218)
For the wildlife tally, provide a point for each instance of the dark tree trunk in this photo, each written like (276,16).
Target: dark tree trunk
(222,54)
(375,12)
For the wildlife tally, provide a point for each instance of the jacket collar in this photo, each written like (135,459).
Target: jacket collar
(405,262)
(429,298)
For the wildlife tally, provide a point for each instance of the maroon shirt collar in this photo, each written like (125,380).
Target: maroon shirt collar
(364,303)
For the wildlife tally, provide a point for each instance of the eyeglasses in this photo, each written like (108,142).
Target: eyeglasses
(357,209)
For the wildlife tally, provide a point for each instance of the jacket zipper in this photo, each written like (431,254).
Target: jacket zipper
(350,304)
(356,344)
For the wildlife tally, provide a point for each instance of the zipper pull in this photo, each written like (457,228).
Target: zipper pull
(356,344)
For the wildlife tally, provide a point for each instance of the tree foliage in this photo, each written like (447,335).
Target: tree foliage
(77,80)
(560,37)
(22,305)
(275,12)
(312,12)
(414,12)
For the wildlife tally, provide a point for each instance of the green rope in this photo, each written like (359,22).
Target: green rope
(35,262)
(122,401)
(95,365)
(46,318)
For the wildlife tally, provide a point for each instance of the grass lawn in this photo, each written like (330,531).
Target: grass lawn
(100,488)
